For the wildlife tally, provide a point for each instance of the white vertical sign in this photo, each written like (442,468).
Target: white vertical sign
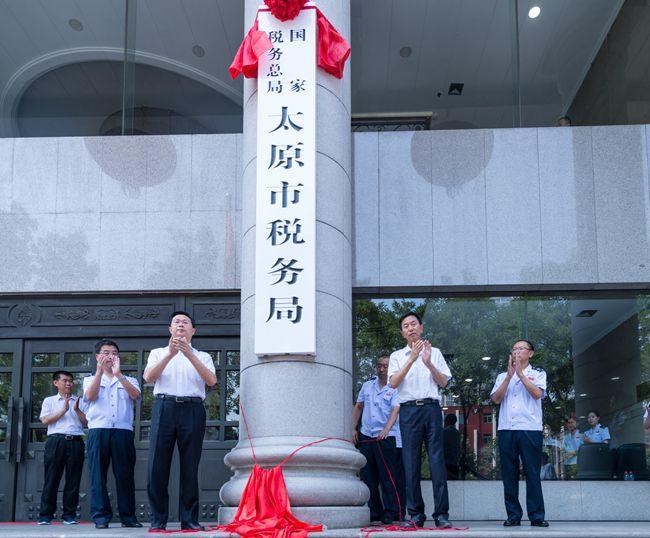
(285,252)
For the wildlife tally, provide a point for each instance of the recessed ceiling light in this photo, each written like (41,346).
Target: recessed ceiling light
(445,408)
(581,416)
(583,394)
(616,378)
(76,25)
(558,407)
(486,358)
(454,395)
(534,12)
(469,380)
(198,51)
(405,52)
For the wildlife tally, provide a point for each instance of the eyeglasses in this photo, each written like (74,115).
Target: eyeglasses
(181,322)
(109,353)
(521,349)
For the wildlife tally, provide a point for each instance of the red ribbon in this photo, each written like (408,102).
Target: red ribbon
(333,50)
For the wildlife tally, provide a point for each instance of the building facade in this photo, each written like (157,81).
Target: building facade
(127,171)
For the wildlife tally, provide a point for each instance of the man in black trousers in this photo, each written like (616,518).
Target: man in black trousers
(64,450)
(180,374)
(109,397)
(419,371)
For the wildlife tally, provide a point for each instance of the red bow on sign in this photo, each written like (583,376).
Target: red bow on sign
(285,10)
(333,49)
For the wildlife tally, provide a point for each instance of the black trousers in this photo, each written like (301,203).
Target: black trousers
(105,446)
(376,473)
(62,454)
(172,423)
(420,424)
(527,445)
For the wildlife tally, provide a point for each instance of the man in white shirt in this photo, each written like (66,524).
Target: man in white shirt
(519,391)
(180,374)
(109,397)
(64,450)
(418,371)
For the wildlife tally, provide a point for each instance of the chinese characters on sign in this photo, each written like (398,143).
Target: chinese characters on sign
(285,272)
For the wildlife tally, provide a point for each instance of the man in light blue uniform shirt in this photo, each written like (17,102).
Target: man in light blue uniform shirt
(379,441)
(570,445)
(109,397)
(519,391)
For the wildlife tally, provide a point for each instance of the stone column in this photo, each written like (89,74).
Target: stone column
(291,401)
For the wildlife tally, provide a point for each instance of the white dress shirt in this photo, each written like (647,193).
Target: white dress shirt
(419,382)
(68,424)
(518,409)
(180,378)
(113,407)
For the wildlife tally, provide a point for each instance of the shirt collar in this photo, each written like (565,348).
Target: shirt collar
(61,398)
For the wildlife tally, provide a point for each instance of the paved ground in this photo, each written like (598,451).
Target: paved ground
(484,529)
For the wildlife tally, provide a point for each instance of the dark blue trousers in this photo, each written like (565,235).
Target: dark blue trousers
(172,423)
(527,445)
(420,424)
(381,458)
(111,446)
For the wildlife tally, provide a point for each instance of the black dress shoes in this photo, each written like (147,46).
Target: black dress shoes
(158,527)
(132,524)
(192,527)
(512,523)
(442,522)
(539,523)
(101,525)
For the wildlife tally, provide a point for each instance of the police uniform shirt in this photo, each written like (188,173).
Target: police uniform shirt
(599,434)
(519,410)
(113,407)
(68,424)
(378,403)
(419,382)
(180,378)
(571,443)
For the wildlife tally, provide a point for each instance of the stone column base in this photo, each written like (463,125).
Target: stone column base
(332,517)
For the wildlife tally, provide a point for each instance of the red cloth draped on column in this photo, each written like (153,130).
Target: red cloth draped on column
(264,510)
(333,50)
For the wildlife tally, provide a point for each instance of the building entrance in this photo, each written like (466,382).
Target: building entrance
(26,368)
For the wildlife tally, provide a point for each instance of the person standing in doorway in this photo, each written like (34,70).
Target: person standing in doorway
(64,450)
(109,396)
(519,392)
(419,371)
(179,373)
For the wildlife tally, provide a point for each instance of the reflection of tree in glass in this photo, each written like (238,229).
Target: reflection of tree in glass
(45,359)
(146,404)
(42,387)
(232,358)
(6,360)
(79,359)
(232,395)
(465,330)
(5,394)
(213,401)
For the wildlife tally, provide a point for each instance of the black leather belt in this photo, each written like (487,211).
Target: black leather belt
(179,399)
(67,437)
(423,401)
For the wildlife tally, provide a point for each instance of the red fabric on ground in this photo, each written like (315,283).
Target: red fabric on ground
(264,510)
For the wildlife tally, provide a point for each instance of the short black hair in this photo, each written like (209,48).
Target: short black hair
(528,343)
(381,357)
(595,412)
(181,313)
(451,419)
(411,313)
(60,373)
(105,342)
